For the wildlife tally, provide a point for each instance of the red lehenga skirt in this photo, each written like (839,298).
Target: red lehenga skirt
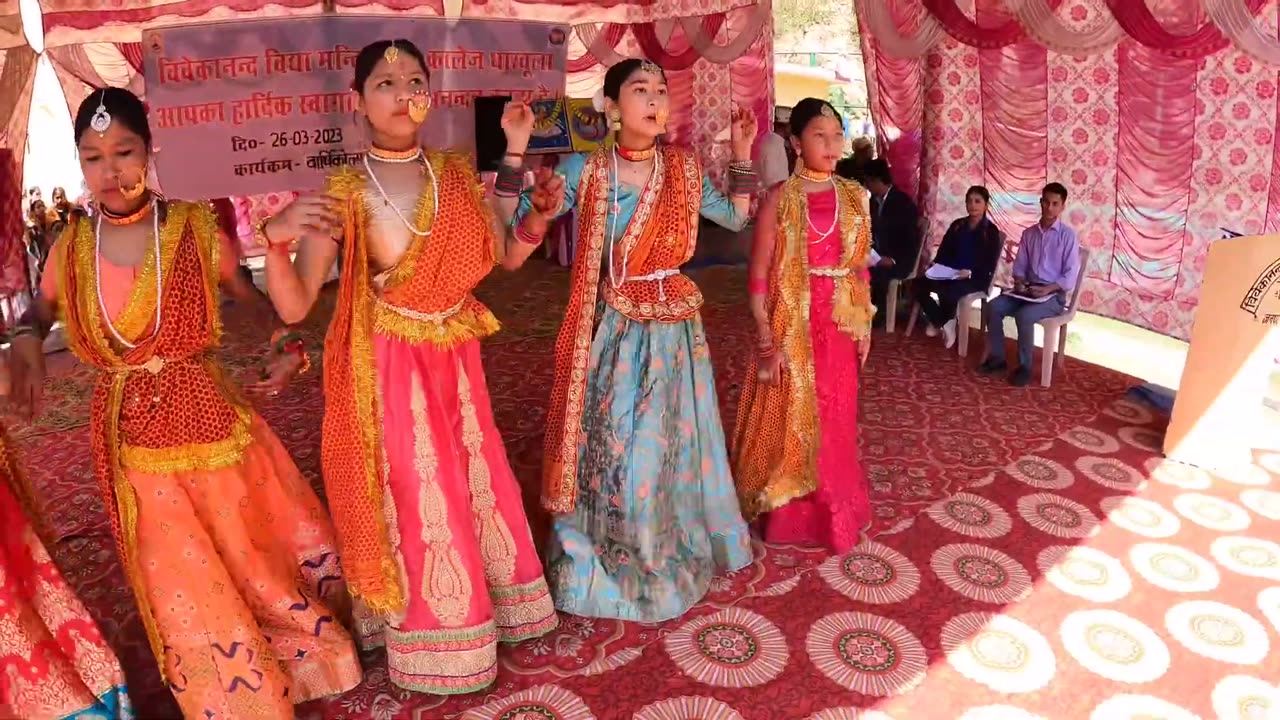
(53,661)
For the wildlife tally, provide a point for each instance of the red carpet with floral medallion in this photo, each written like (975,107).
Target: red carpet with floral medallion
(1032,556)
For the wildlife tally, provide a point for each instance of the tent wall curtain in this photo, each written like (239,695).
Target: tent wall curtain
(17,78)
(1164,134)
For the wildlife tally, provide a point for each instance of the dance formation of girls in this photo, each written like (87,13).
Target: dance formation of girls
(245,584)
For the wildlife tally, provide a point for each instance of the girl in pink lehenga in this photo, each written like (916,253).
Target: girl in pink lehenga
(795,449)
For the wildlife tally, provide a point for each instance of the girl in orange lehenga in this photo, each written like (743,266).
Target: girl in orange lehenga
(795,444)
(53,660)
(435,543)
(229,551)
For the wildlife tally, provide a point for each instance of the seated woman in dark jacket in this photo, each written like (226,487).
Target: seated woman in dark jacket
(972,248)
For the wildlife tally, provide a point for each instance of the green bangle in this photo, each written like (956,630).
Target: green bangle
(285,340)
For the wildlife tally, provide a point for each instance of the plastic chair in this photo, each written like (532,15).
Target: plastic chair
(1055,335)
(895,284)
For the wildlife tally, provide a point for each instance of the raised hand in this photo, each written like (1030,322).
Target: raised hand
(517,125)
(310,214)
(742,132)
(547,194)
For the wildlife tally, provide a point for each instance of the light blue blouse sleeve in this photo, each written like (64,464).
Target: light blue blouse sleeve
(570,168)
(718,209)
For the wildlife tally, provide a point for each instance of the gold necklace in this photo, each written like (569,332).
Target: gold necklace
(812,175)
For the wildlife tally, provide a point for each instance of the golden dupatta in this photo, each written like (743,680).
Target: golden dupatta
(776,431)
(433,278)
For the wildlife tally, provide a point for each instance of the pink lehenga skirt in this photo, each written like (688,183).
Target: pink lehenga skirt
(471,573)
(834,515)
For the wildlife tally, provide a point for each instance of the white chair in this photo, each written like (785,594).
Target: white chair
(891,295)
(1055,328)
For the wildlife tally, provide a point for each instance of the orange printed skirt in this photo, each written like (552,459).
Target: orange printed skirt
(468,561)
(241,574)
(54,662)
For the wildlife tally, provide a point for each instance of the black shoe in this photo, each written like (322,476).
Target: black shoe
(991,366)
(1021,378)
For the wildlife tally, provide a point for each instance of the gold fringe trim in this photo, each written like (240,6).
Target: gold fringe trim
(348,185)
(472,322)
(127,507)
(189,458)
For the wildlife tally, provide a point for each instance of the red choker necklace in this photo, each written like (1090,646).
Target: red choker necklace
(636,155)
(385,155)
(131,218)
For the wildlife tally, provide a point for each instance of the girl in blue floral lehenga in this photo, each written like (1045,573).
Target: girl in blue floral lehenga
(635,467)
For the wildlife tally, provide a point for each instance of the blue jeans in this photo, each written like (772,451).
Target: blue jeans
(1025,314)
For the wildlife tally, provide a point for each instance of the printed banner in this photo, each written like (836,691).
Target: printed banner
(259,106)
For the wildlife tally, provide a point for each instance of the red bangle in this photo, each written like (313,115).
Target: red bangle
(279,249)
(758,286)
(527,236)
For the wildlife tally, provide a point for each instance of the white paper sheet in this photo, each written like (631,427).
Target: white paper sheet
(942,272)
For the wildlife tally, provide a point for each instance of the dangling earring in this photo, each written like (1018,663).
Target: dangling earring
(419,106)
(615,121)
(135,191)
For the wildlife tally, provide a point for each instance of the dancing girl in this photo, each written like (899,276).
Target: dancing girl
(795,443)
(635,466)
(54,662)
(228,550)
(435,543)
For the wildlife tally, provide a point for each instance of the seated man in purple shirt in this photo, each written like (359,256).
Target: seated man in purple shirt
(1044,274)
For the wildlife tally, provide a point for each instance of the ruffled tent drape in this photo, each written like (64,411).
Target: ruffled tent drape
(1160,117)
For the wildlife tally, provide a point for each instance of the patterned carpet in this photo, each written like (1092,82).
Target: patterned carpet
(1032,557)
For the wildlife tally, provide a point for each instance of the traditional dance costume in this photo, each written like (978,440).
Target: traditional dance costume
(635,463)
(435,541)
(795,449)
(53,661)
(229,551)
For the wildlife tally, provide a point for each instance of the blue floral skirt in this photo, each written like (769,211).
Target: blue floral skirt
(657,515)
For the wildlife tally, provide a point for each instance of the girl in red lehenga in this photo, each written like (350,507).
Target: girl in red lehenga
(53,660)
(434,539)
(795,449)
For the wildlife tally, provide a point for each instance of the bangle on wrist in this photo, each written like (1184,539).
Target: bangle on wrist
(510,180)
(525,235)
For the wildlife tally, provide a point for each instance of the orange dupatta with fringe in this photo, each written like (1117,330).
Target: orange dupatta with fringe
(162,406)
(775,438)
(661,235)
(434,277)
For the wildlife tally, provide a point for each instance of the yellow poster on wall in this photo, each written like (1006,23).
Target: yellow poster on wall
(588,128)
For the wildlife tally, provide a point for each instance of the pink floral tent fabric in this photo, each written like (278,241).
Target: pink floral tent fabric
(1160,116)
